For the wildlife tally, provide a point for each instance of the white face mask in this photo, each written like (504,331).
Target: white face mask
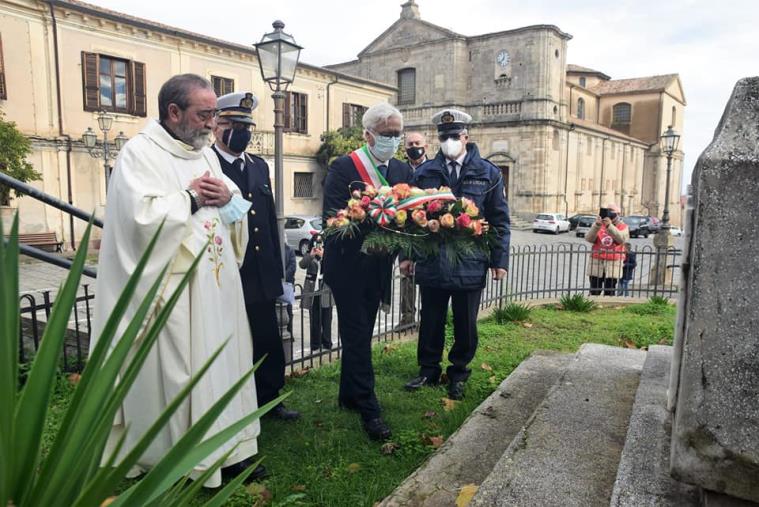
(451,147)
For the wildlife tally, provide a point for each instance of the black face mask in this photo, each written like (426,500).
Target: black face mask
(415,153)
(236,139)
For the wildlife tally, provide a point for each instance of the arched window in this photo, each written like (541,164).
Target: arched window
(674,116)
(581,108)
(582,81)
(622,114)
(406,86)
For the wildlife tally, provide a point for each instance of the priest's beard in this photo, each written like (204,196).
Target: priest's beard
(197,138)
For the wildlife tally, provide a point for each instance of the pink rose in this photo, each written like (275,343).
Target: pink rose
(433,225)
(419,217)
(365,200)
(434,207)
(463,220)
(217,240)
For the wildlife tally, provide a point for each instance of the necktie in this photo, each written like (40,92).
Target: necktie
(454,173)
(383,170)
(238,164)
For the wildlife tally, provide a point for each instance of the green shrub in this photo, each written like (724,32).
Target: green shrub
(69,471)
(512,312)
(658,301)
(656,305)
(577,303)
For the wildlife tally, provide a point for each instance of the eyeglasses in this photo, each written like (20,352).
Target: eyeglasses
(444,137)
(208,114)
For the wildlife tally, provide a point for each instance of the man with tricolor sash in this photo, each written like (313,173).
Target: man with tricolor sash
(358,280)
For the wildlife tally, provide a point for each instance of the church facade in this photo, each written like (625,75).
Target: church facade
(567,138)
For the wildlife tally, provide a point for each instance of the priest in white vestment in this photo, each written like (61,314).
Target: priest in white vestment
(168,173)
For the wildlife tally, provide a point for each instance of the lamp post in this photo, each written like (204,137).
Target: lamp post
(278,57)
(669,141)
(90,139)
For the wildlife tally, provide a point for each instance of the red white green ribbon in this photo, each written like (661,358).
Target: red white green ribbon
(366,167)
(382,209)
(413,202)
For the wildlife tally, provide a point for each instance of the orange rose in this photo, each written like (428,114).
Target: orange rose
(476,227)
(447,221)
(401,191)
(357,213)
(370,191)
(420,217)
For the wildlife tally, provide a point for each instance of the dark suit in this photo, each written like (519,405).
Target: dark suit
(357,281)
(261,273)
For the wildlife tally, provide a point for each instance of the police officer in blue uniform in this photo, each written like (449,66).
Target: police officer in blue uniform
(457,165)
(261,270)
(358,280)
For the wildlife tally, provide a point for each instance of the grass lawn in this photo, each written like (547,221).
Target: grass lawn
(325,458)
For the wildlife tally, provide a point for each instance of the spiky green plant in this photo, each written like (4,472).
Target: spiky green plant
(71,472)
(576,303)
(658,301)
(512,312)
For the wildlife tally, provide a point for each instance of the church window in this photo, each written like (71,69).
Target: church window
(406,86)
(581,108)
(582,81)
(621,114)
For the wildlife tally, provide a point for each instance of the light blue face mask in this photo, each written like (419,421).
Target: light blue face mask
(384,146)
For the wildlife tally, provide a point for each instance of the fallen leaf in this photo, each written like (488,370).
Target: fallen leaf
(466,493)
(448,404)
(434,441)
(353,468)
(390,347)
(106,502)
(629,344)
(486,367)
(299,373)
(74,379)
(298,488)
(429,414)
(389,448)
(493,379)
(527,324)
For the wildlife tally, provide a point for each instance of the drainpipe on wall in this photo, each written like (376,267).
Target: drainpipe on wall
(622,185)
(566,170)
(328,85)
(61,133)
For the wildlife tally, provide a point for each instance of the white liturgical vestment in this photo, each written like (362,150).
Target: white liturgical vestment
(147,187)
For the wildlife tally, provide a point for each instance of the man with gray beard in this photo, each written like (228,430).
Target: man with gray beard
(168,176)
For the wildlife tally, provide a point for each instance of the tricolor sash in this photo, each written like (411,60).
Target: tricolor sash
(366,168)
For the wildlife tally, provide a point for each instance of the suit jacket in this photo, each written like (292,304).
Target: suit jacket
(261,270)
(344,264)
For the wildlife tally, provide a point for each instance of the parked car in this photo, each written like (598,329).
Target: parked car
(574,220)
(641,225)
(675,231)
(551,222)
(299,229)
(584,225)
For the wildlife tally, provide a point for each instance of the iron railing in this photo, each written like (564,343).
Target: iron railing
(536,273)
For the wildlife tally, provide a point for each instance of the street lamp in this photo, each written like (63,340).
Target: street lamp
(90,140)
(669,141)
(278,57)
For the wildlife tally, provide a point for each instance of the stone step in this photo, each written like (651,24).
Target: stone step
(569,450)
(643,475)
(469,454)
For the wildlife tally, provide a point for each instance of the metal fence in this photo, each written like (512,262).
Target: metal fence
(536,273)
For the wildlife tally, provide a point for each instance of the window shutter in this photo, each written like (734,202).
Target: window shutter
(347,115)
(304,113)
(288,110)
(138,79)
(90,81)
(3,91)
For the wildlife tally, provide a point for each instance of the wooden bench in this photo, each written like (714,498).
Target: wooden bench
(42,239)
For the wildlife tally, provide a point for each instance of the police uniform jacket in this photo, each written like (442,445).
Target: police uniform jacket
(343,262)
(480,181)
(261,271)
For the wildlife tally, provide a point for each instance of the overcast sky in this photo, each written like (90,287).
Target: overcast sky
(711,44)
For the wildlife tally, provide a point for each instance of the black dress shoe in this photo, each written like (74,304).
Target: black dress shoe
(421,381)
(327,345)
(456,390)
(283,413)
(377,429)
(233,471)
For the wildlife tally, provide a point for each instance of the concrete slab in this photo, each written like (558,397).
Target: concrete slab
(470,454)
(568,452)
(643,477)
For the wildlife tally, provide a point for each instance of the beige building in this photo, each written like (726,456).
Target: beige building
(63,61)
(567,138)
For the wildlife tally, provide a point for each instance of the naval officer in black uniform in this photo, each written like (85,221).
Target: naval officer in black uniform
(261,270)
